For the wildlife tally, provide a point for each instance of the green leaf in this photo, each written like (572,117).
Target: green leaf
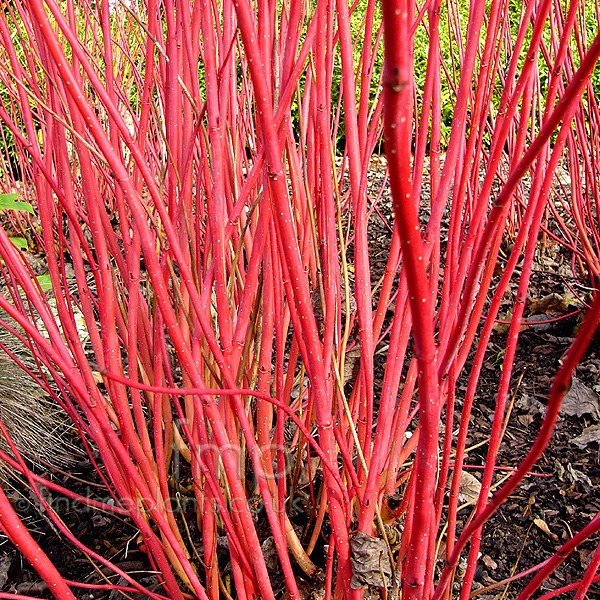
(8,197)
(19,242)
(9,202)
(45,282)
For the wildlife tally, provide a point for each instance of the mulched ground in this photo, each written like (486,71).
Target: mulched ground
(564,494)
(557,500)
(561,497)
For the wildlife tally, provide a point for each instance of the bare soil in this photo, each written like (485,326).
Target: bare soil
(555,501)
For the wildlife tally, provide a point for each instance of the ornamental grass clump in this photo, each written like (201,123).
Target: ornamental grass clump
(200,176)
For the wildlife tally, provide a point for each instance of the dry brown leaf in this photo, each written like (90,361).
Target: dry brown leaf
(530,404)
(543,526)
(351,365)
(580,400)
(469,489)
(5,563)
(502,327)
(539,322)
(370,561)
(575,476)
(551,302)
(589,435)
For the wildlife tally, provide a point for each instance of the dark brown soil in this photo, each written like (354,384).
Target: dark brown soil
(561,496)
(557,500)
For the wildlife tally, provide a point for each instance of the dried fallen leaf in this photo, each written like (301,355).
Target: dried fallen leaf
(32,588)
(308,474)
(269,550)
(501,327)
(489,562)
(530,404)
(560,470)
(525,420)
(5,563)
(585,557)
(469,489)
(539,322)
(553,302)
(575,476)
(580,400)
(370,561)
(572,476)
(589,435)
(543,526)
(352,365)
